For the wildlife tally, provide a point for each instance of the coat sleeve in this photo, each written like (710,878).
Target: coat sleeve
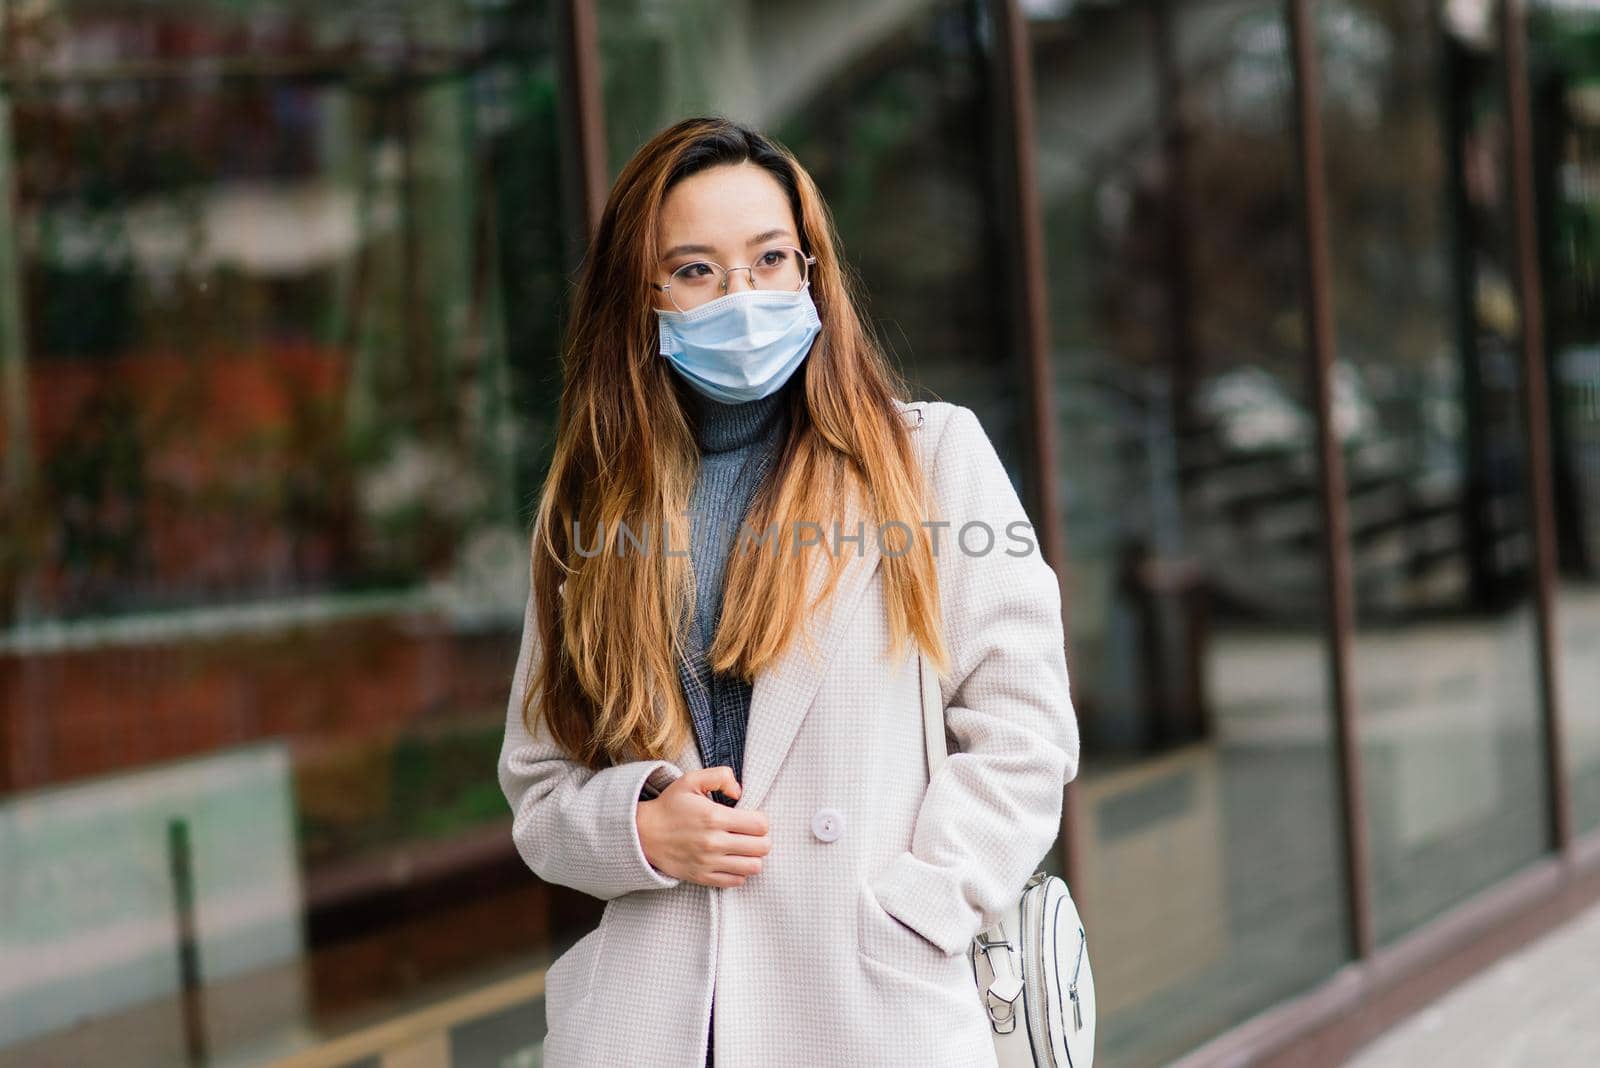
(574,826)
(994,808)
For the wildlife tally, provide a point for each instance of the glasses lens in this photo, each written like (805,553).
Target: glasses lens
(781,267)
(695,283)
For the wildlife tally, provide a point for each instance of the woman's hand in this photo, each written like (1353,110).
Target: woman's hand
(687,835)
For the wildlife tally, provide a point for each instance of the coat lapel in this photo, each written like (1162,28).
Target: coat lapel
(782,694)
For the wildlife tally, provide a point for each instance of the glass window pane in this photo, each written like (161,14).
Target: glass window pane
(1432,430)
(278,293)
(1563,69)
(1207,806)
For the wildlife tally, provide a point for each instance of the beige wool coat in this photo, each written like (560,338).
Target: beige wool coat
(849,947)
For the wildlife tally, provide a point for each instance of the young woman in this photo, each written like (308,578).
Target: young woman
(746,534)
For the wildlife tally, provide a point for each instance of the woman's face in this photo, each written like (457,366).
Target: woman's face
(727,214)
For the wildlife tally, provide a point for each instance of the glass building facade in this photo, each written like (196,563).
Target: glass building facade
(1283,316)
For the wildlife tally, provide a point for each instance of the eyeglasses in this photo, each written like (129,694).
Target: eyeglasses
(782,267)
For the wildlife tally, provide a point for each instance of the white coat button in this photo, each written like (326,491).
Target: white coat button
(827,824)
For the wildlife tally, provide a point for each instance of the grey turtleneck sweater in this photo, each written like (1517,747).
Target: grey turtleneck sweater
(739,444)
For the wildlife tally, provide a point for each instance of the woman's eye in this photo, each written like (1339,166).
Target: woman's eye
(774,258)
(695,270)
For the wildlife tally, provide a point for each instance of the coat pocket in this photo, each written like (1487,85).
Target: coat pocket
(884,939)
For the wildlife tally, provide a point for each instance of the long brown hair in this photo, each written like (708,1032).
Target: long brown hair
(625,455)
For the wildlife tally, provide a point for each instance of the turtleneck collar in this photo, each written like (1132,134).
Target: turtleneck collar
(721,427)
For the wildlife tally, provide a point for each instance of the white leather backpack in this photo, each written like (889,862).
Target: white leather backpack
(1031,968)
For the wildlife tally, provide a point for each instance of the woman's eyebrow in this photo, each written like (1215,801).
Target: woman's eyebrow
(765,235)
(768,235)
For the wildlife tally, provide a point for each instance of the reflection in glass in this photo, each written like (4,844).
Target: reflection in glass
(1444,656)
(278,288)
(1207,807)
(1563,68)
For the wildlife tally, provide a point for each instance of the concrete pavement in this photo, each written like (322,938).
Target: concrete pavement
(1538,1008)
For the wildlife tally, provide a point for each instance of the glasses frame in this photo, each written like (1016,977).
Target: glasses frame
(749,268)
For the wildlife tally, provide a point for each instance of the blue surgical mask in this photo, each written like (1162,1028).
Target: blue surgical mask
(741,346)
